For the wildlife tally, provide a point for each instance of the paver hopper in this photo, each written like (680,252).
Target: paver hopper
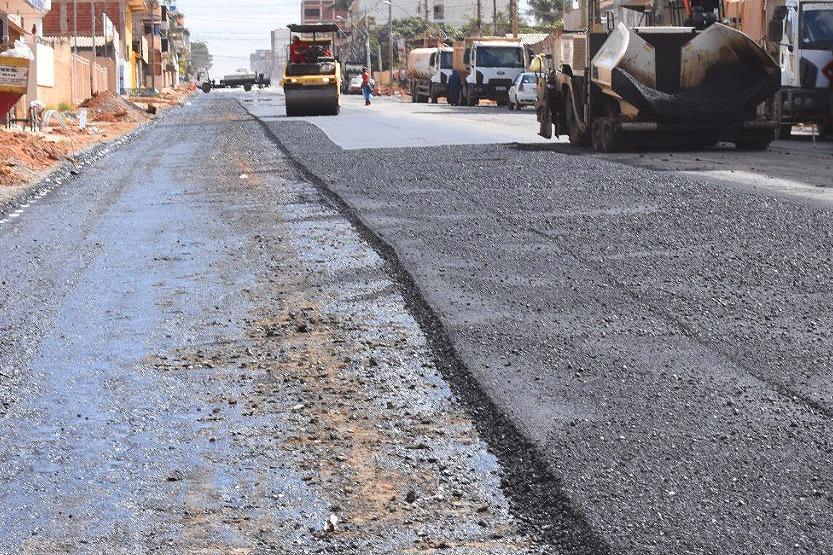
(695,83)
(312,75)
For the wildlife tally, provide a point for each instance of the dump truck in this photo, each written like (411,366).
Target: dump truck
(428,72)
(312,74)
(241,78)
(488,66)
(800,33)
(683,78)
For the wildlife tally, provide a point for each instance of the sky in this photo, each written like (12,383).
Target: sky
(233,29)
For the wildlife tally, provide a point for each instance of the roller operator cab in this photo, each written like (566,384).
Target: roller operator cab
(685,80)
(802,33)
(488,68)
(312,74)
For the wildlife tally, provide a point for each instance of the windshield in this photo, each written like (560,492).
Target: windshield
(816,26)
(500,56)
(528,78)
(446,60)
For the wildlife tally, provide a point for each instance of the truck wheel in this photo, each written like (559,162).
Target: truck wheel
(247,88)
(609,136)
(754,145)
(784,132)
(596,134)
(433,92)
(574,132)
(472,100)
(413,93)
(206,87)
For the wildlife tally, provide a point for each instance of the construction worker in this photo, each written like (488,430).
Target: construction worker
(297,51)
(454,88)
(367,89)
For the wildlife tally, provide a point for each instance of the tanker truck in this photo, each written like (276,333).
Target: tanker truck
(802,34)
(428,73)
(684,79)
(488,66)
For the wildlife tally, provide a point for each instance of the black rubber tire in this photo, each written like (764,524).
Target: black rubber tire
(576,135)
(206,87)
(753,146)
(596,134)
(510,106)
(247,88)
(433,95)
(784,132)
(610,139)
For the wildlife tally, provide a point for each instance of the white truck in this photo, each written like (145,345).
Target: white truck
(802,31)
(488,66)
(428,73)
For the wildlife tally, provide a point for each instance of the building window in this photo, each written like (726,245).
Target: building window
(439,12)
(312,12)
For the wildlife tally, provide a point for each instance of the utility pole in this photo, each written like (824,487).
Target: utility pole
(74,49)
(367,44)
(494,16)
(513,13)
(153,44)
(92,60)
(479,17)
(390,40)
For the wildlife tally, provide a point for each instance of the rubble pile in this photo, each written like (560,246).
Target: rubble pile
(108,106)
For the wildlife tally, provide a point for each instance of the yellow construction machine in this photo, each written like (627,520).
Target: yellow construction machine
(312,74)
(663,72)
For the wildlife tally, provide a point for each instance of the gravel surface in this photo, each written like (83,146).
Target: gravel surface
(663,340)
(200,355)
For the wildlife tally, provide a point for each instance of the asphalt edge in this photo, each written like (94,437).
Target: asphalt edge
(535,493)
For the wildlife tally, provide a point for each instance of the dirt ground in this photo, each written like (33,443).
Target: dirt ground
(26,157)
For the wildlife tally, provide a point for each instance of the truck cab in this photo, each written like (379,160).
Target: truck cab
(803,31)
(442,63)
(492,67)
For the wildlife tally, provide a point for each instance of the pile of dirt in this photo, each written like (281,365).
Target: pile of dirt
(24,155)
(108,106)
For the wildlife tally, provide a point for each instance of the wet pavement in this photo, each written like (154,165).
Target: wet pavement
(200,354)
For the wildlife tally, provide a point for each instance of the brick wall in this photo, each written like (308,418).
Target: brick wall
(72,77)
(60,20)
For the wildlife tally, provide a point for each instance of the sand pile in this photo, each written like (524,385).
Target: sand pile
(108,106)
(24,155)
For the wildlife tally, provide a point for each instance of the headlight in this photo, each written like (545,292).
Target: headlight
(327,68)
(797,101)
(326,79)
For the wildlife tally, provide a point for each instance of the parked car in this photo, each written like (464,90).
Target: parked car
(355,86)
(522,92)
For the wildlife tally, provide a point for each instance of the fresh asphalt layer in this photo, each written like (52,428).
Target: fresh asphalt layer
(663,339)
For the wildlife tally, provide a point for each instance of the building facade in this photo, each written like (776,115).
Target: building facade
(449,12)
(320,11)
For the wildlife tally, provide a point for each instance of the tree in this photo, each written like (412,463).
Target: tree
(546,12)
(201,59)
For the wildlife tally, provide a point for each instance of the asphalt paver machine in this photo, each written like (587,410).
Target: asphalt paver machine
(668,72)
(312,74)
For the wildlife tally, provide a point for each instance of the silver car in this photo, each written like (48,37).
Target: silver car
(522,92)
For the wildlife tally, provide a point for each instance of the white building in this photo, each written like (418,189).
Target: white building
(450,12)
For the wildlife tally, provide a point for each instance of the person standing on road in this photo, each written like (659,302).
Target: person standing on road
(454,88)
(367,90)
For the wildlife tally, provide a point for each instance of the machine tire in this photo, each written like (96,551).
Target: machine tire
(206,87)
(472,100)
(610,140)
(784,132)
(434,98)
(247,88)
(413,93)
(596,134)
(574,132)
(753,145)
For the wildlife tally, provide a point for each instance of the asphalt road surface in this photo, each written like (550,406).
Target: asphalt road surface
(413,328)
(658,324)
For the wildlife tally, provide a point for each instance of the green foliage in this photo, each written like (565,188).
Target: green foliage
(64,107)
(546,12)
(200,57)
(342,5)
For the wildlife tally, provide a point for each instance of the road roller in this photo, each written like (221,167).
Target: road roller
(673,74)
(312,75)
